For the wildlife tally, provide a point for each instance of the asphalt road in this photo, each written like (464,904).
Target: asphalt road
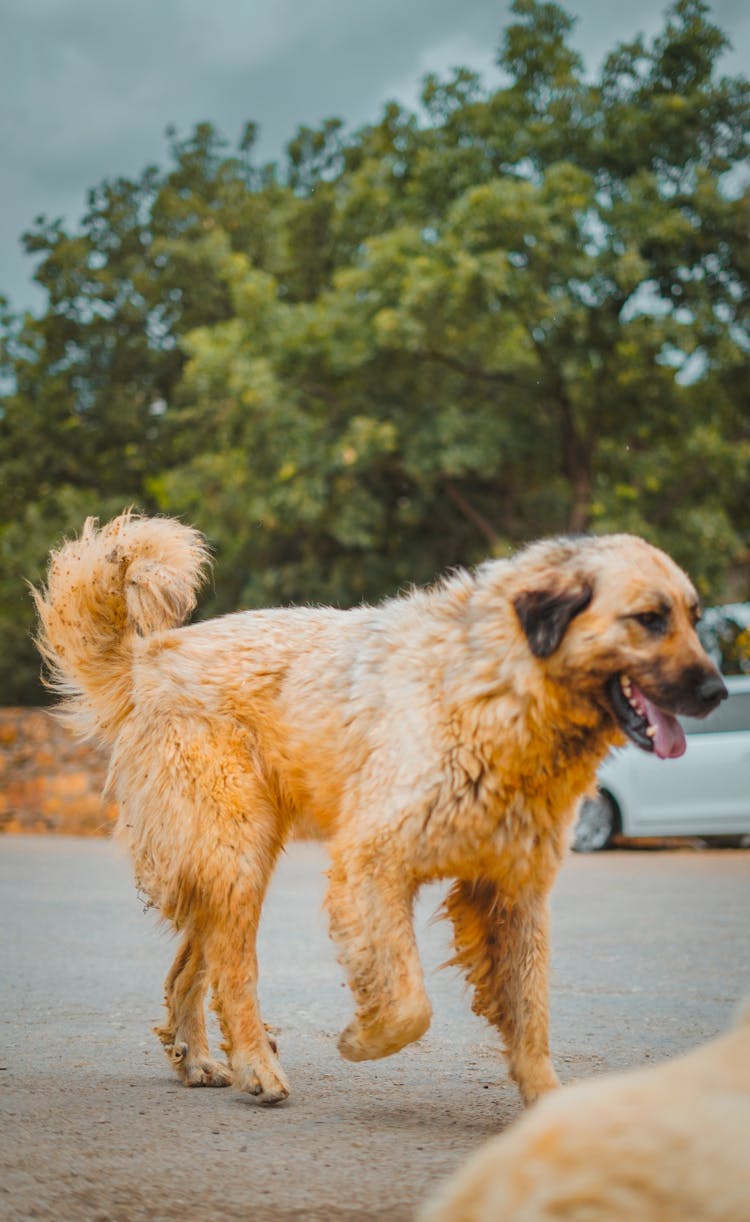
(649,955)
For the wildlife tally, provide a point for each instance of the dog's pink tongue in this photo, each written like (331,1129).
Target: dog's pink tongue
(669,739)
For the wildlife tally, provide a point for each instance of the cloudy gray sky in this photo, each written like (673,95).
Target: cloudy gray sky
(87,87)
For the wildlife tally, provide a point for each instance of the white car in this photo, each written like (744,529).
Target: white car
(706,792)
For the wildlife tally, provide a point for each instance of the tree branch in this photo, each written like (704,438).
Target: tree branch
(469,371)
(468,510)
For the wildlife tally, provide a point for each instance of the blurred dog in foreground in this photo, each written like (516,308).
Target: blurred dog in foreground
(662,1144)
(449,733)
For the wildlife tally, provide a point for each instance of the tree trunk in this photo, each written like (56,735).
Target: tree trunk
(577,463)
(470,512)
(580,509)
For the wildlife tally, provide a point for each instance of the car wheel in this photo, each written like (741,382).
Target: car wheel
(597,824)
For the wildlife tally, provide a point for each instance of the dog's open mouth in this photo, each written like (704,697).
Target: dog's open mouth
(648,726)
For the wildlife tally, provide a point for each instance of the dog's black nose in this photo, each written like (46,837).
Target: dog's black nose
(711,691)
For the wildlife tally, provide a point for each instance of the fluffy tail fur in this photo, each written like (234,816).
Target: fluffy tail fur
(130,578)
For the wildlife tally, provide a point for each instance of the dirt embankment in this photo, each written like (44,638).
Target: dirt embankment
(51,783)
(48,781)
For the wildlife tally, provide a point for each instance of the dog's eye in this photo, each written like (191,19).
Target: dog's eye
(652,621)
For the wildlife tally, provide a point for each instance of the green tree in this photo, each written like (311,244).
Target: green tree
(522,310)
(87,387)
(536,321)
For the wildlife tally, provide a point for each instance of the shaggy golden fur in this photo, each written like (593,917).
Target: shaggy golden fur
(662,1144)
(446,734)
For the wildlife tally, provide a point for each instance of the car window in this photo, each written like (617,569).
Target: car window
(732,715)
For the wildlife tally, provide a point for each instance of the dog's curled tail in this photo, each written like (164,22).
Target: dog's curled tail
(133,577)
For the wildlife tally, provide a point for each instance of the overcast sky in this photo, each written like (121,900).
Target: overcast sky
(87,87)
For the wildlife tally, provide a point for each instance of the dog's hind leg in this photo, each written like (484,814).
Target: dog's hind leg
(370,908)
(229,942)
(184,1032)
(503,949)
(213,877)
(234,975)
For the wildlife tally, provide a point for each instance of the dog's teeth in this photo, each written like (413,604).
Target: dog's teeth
(625,684)
(651,731)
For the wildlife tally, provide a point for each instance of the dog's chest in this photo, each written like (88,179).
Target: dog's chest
(510,817)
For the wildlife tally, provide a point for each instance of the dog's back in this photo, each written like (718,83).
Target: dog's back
(661,1144)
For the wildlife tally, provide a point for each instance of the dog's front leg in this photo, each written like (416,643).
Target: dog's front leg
(503,948)
(370,908)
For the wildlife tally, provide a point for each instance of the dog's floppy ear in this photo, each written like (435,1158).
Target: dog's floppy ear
(546,613)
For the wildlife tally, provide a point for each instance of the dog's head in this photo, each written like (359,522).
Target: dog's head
(615,619)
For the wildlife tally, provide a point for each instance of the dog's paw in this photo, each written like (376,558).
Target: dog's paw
(207,1072)
(354,1045)
(266,1082)
(534,1084)
(197,1071)
(358,1043)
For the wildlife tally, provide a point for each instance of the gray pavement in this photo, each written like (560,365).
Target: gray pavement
(649,958)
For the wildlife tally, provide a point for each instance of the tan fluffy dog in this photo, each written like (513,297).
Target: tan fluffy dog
(445,734)
(663,1144)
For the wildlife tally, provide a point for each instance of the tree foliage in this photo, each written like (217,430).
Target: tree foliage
(522,310)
